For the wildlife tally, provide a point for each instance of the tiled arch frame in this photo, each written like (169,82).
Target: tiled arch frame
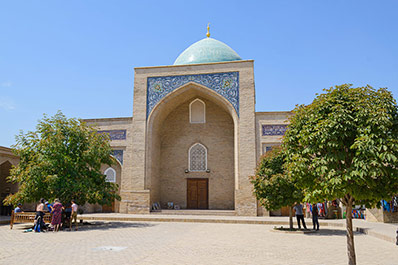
(164,106)
(225,84)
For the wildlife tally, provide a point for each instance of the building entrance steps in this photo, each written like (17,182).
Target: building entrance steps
(195,212)
(382,231)
(5,219)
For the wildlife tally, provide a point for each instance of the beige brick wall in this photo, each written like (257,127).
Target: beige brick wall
(178,135)
(268,118)
(143,168)
(379,215)
(123,171)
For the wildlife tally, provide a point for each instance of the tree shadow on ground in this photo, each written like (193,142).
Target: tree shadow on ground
(330,232)
(94,226)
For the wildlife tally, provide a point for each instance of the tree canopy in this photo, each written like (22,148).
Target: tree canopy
(273,187)
(345,145)
(62,159)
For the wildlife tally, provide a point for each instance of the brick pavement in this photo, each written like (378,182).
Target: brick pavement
(187,243)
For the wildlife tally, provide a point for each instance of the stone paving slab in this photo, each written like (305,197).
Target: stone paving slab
(380,230)
(187,243)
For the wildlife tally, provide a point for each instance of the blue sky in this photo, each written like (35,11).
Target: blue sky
(78,56)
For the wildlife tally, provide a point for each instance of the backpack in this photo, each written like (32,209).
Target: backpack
(37,227)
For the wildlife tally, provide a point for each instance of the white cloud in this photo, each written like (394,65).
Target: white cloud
(6,84)
(7,104)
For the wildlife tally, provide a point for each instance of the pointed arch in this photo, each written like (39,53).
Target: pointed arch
(153,130)
(197,111)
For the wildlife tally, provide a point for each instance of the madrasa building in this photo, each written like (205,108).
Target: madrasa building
(194,137)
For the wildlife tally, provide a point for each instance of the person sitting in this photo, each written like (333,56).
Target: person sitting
(18,209)
(49,206)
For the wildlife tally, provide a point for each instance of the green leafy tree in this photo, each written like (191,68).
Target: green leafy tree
(272,186)
(62,159)
(345,145)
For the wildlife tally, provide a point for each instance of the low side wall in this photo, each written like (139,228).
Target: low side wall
(379,215)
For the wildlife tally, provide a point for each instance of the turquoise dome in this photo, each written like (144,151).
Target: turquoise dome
(208,50)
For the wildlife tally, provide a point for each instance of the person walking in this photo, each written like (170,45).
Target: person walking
(57,213)
(299,215)
(74,215)
(315,221)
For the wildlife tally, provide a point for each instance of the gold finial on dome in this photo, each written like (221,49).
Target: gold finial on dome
(208,30)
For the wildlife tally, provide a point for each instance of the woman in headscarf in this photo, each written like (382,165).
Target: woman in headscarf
(57,213)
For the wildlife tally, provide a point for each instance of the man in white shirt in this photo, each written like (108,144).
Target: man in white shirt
(299,215)
(73,215)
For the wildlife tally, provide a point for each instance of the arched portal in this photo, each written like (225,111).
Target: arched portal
(170,135)
(6,187)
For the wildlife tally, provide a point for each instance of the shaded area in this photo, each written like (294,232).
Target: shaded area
(94,226)
(311,232)
(331,232)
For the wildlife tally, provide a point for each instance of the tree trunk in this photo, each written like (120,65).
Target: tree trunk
(291,217)
(350,234)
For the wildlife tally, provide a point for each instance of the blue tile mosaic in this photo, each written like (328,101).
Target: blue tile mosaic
(225,84)
(273,130)
(115,134)
(268,148)
(118,154)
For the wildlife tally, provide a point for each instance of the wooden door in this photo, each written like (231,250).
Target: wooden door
(108,208)
(197,194)
(285,211)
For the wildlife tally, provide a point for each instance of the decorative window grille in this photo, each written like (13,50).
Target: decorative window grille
(110,174)
(197,111)
(197,158)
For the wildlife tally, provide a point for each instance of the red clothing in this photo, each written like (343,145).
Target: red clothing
(57,212)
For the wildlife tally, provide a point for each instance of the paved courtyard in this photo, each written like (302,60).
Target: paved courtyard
(187,243)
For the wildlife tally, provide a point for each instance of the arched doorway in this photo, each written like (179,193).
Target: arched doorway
(6,187)
(173,129)
(113,174)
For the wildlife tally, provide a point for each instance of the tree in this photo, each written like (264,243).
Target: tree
(345,145)
(62,159)
(273,187)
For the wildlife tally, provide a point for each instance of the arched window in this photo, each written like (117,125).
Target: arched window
(110,174)
(197,158)
(197,111)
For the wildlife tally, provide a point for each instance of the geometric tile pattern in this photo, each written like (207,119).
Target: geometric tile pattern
(225,84)
(115,134)
(273,129)
(118,154)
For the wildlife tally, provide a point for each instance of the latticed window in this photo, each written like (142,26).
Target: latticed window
(110,174)
(197,158)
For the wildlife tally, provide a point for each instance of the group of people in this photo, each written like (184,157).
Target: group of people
(56,210)
(298,207)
